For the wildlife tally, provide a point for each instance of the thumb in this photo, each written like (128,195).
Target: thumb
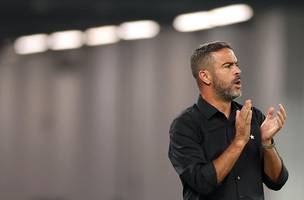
(237,114)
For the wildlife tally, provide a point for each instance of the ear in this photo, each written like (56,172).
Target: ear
(205,76)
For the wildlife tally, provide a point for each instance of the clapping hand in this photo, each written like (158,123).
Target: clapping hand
(243,122)
(272,123)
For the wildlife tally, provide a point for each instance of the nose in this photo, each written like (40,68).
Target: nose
(237,70)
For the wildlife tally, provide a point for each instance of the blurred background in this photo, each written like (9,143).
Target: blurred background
(88,92)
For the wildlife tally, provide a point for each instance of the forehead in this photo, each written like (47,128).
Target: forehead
(224,55)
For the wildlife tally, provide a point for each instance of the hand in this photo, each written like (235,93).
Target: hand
(272,124)
(243,123)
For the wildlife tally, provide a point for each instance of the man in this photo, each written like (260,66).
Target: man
(220,149)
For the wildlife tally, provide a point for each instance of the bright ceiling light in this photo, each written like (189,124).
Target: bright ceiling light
(101,35)
(216,17)
(193,21)
(231,14)
(31,44)
(138,30)
(65,40)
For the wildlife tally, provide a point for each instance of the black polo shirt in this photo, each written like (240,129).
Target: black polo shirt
(201,134)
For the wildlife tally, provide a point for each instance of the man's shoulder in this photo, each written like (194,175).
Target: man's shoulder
(190,113)
(189,117)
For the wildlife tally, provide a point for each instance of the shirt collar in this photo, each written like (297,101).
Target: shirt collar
(208,110)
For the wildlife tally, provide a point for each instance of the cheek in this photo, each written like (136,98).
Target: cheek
(222,79)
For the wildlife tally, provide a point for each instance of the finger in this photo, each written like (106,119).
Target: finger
(245,109)
(237,114)
(248,104)
(282,109)
(280,122)
(281,117)
(249,112)
(270,112)
(248,120)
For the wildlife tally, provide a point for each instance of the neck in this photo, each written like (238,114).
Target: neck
(221,105)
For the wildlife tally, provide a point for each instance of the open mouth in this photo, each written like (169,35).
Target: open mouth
(238,82)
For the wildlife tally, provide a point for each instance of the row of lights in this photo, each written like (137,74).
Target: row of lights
(94,36)
(131,30)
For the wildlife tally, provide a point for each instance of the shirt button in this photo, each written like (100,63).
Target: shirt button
(238,178)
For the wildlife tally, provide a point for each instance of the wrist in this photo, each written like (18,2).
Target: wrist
(268,144)
(238,143)
(267,141)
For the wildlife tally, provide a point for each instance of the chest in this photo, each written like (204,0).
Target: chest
(217,135)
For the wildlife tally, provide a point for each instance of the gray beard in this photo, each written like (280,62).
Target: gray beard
(226,94)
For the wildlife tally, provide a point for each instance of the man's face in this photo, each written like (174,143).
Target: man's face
(226,79)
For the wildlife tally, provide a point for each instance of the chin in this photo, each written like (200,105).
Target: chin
(236,95)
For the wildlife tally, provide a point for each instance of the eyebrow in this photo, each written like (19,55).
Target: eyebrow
(230,63)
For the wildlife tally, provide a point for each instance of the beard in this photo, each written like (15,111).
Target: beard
(224,90)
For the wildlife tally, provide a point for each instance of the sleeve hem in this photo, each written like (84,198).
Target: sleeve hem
(277,185)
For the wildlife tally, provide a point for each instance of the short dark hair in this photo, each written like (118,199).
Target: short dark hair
(202,56)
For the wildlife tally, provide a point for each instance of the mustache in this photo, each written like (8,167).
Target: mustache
(237,79)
